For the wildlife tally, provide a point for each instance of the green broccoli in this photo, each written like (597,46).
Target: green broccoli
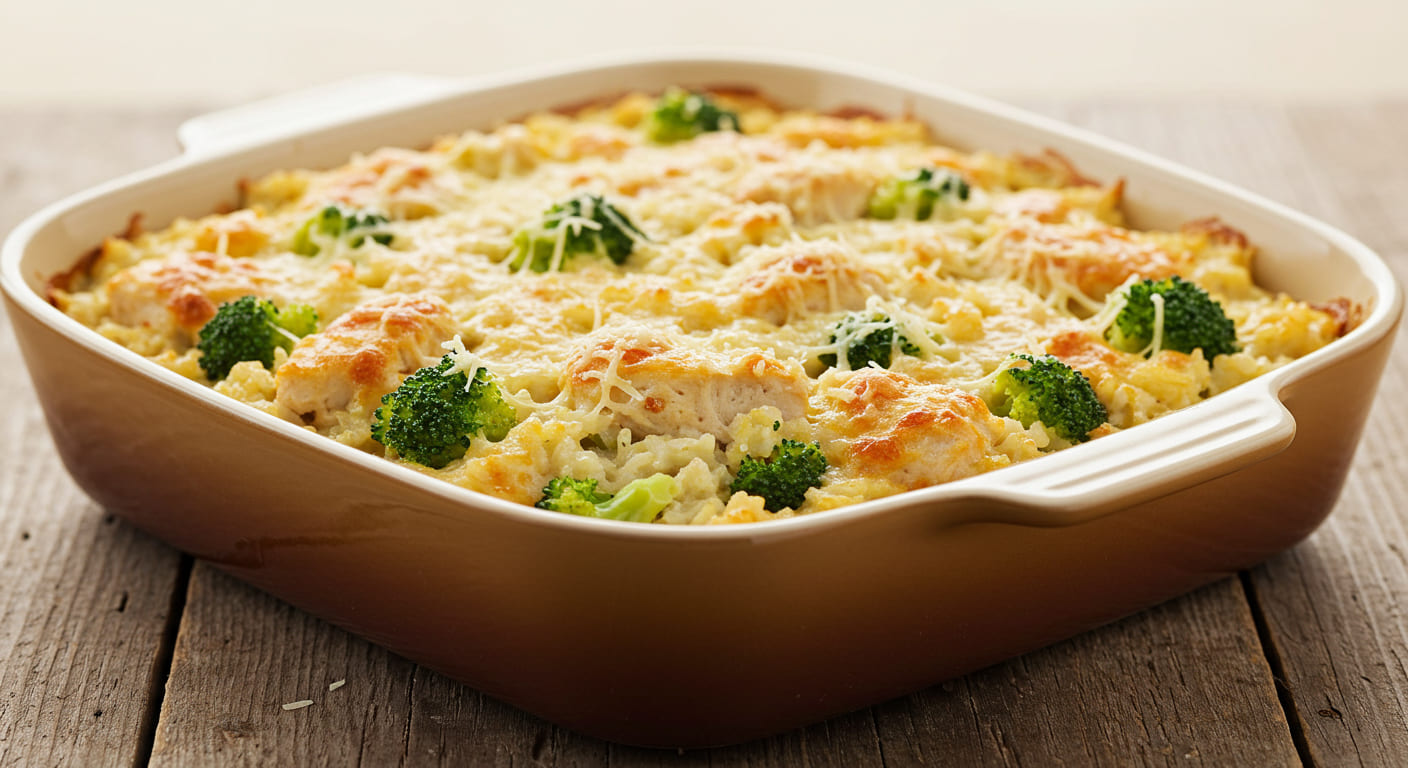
(250,328)
(1051,392)
(431,418)
(638,502)
(680,115)
(868,337)
(782,479)
(586,223)
(335,221)
(1190,320)
(915,196)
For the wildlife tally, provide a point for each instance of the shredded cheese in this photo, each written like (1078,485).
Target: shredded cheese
(758,247)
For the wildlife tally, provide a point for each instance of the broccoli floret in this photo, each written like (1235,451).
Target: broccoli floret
(584,224)
(638,502)
(866,338)
(681,115)
(1051,392)
(915,196)
(335,221)
(1191,320)
(299,320)
(431,418)
(573,497)
(782,479)
(250,328)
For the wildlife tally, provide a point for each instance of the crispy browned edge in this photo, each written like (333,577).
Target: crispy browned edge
(1347,314)
(64,281)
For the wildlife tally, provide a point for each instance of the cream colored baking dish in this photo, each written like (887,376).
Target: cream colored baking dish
(666,636)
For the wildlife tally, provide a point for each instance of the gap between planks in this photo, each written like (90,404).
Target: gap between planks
(1284,694)
(161,671)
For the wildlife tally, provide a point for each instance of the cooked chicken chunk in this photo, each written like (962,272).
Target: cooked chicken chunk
(1079,264)
(362,355)
(727,231)
(655,386)
(508,151)
(401,183)
(1070,204)
(816,194)
(797,278)
(179,294)
(874,423)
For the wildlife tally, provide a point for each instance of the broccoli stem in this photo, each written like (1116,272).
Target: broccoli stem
(640,500)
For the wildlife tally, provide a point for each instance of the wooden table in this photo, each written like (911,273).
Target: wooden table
(119,650)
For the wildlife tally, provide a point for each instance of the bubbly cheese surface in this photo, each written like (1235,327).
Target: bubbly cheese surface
(706,344)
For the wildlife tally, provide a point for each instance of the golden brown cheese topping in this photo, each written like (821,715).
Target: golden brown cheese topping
(362,355)
(713,309)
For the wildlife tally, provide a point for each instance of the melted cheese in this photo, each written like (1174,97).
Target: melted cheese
(704,346)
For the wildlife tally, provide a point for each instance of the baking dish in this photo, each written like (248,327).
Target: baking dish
(686,637)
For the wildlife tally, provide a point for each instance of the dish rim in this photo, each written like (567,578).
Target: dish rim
(1044,509)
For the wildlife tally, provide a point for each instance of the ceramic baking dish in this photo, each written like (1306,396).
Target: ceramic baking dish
(674,636)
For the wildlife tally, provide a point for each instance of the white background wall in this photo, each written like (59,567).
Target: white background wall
(173,51)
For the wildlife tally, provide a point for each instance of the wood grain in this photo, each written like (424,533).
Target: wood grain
(1335,606)
(241,655)
(1181,684)
(86,601)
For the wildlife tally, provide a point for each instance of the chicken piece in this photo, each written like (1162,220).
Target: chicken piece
(397,182)
(177,295)
(1133,389)
(508,151)
(817,189)
(656,386)
(874,423)
(1053,206)
(727,231)
(798,278)
(362,355)
(1078,264)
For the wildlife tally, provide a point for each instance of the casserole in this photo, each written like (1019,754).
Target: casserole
(757,629)
(836,290)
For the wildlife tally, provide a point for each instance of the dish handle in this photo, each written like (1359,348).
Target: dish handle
(291,113)
(1212,439)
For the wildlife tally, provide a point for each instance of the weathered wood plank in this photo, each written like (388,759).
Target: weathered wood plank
(451,724)
(86,600)
(1334,606)
(241,655)
(1181,684)
(1156,688)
